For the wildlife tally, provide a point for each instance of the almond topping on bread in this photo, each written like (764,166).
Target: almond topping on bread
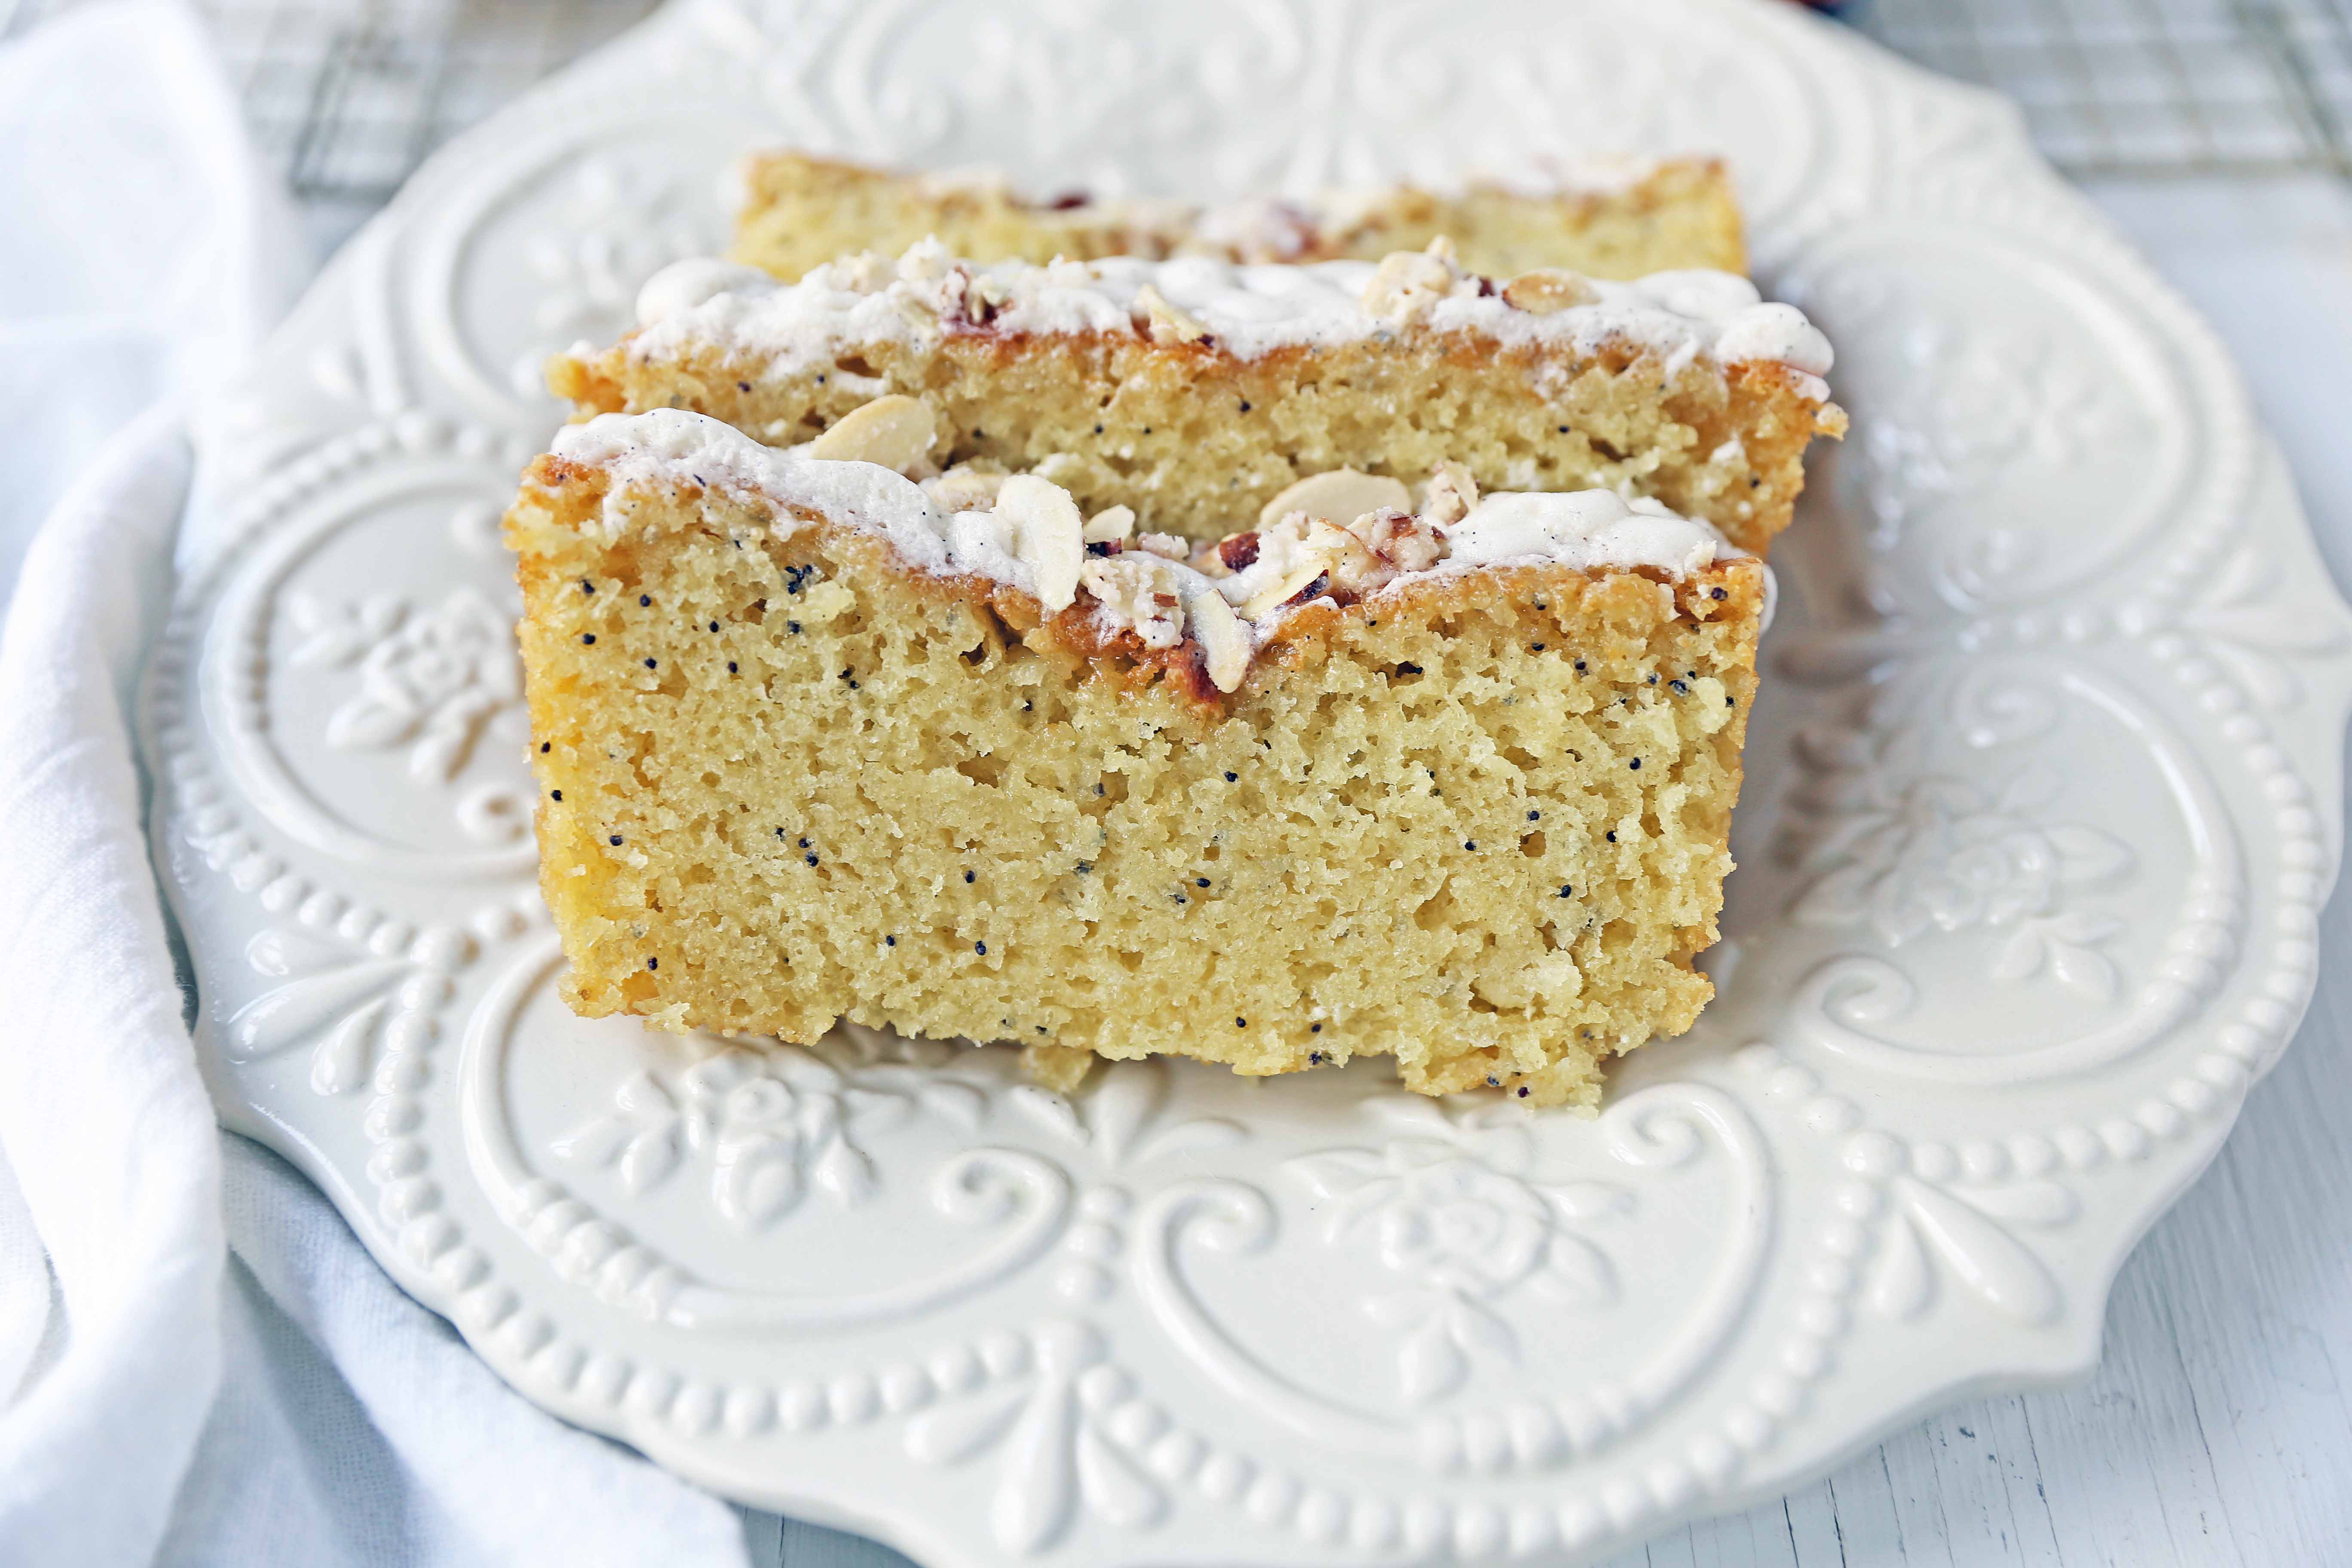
(1140,591)
(897,432)
(1168,324)
(1049,535)
(1449,495)
(963,489)
(1408,282)
(1342,495)
(1112,525)
(1548,290)
(1224,642)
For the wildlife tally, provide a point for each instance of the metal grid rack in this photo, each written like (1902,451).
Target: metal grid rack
(2150,86)
(348,96)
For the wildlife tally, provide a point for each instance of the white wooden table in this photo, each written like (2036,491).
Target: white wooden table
(2218,1431)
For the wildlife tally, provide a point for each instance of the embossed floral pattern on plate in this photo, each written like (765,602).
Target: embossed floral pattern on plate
(2042,803)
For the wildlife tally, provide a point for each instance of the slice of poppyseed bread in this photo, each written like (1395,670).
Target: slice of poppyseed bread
(1195,391)
(1411,771)
(1605,217)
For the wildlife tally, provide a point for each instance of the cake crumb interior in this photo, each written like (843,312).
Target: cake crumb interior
(1478,823)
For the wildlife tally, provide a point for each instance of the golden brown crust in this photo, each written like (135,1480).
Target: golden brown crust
(1011,834)
(1118,657)
(1193,437)
(803,210)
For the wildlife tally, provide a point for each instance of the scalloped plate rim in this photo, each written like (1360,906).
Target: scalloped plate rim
(658,1440)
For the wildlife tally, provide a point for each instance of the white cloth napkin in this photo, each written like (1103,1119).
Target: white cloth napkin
(198,1363)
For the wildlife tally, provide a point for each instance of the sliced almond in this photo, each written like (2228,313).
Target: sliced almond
(897,432)
(1112,525)
(1140,592)
(1169,324)
(1404,543)
(1234,553)
(1346,555)
(1224,641)
(1548,290)
(963,489)
(1288,588)
(1406,284)
(1341,496)
(1049,535)
(1449,495)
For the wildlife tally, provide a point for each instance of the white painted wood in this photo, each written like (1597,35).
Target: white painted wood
(2217,1431)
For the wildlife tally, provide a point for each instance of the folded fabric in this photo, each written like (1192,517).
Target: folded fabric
(143,250)
(102,1116)
(198,1362)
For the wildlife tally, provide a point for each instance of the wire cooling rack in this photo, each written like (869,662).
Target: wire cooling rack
(2150,86)
(349,95)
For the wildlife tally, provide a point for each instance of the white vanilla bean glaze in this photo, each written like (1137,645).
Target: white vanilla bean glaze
(668,448)
(1248,310)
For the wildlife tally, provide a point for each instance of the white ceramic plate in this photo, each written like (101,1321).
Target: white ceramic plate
(2042,800)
